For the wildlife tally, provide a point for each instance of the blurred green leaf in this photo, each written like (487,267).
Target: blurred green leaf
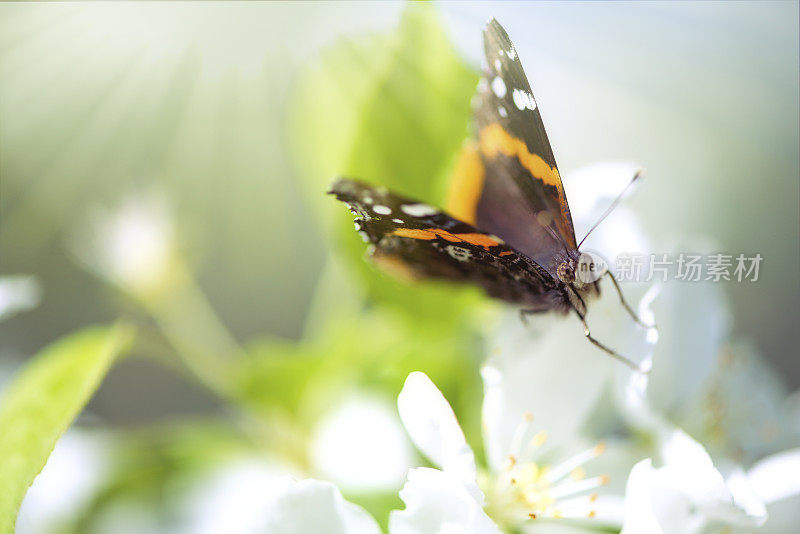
(391,109)
(42,401)
(154,467)
(373,351)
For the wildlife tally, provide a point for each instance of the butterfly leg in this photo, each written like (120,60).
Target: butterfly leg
(610,352)
(625,304)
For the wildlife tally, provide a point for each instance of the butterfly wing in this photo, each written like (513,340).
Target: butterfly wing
(507,182)
(418,241)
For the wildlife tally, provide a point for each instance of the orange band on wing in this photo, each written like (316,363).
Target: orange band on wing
(494,138)
(467,184)
(414,234)
(481,240)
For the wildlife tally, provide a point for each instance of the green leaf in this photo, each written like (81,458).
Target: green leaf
(389,109)
(42,401)
(374,351)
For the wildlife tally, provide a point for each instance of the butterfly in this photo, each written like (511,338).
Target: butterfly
(507,227)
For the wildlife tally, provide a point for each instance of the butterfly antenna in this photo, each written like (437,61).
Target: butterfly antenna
(612,206)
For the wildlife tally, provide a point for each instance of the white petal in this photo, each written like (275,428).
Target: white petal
(692,469)
(250,497)
(745,496)
(592,188)
(693,324)
(360,445)
(639,513)
(555,527)
(437,502)
(432,426)
(298,507)
(687,493)
(548,369)
(619,233)
(776,477)
(746,401)
(18,294)
(689,469)
(74,471)
(653,506)
(784,516)
(545,371)
(132,246)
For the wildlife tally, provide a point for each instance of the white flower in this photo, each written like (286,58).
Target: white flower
(74,470)
(360,445)
(725,396)
(687,384)
(688,494)
(774,480)
(18,294)
(518,490)
(254,497)
(132,246)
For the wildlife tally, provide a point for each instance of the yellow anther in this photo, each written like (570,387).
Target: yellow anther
(539,439)
(528,417)
(578,474)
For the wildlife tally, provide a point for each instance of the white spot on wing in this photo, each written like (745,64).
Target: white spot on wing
(497,65)
(382,210)
(502,111)
(367,199)
(398,221)
(459,253)
(419,210)
(523,100)
(512,53)
(499,87)
(483,85)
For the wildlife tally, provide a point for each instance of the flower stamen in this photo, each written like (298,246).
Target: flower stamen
(526,489)
(570,487)
(568,466)
(519,434)
(535,442)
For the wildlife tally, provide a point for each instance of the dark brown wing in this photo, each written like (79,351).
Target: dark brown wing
(416,240)
(508,180)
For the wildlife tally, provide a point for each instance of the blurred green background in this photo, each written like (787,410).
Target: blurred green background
(214,105)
